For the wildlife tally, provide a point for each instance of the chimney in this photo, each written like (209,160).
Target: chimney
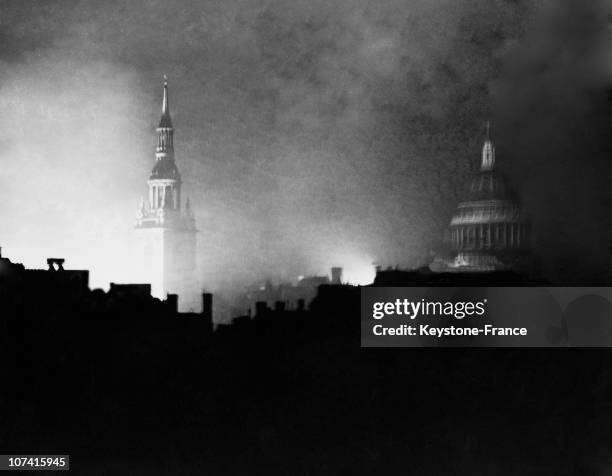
(172,303)
(336,275)
(207,306)
(55,264)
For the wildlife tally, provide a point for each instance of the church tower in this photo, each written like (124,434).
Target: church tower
(167,230)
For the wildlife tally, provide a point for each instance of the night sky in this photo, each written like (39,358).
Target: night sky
(308,133)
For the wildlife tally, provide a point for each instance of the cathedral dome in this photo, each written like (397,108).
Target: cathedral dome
(488,230)
(489,185)
(487,211)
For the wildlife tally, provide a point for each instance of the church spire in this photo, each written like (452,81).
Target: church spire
(165,121)
(488,151)
(168,234)
(165,131)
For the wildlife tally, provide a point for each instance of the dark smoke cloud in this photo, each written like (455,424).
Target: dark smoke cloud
(552,102)
(308,133)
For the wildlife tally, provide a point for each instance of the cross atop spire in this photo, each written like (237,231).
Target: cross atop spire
(165,121)
(488,151)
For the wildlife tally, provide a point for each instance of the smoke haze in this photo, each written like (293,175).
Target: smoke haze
(308,133)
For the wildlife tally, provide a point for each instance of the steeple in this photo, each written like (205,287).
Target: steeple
(167,232)
(488,151)
(165,121)
(164,152)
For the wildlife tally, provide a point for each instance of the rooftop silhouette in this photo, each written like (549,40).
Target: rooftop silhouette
(288,385)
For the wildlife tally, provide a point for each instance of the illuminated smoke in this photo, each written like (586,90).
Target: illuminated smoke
(303,128)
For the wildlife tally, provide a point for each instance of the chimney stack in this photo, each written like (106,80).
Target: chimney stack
(55,264)
(336,275)
(207,306)
(172,303)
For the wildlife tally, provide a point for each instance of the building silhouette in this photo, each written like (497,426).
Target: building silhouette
(489,230)
(293,295)
(167,230)
(62,297)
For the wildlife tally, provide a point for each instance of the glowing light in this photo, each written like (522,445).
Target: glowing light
(358,270)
